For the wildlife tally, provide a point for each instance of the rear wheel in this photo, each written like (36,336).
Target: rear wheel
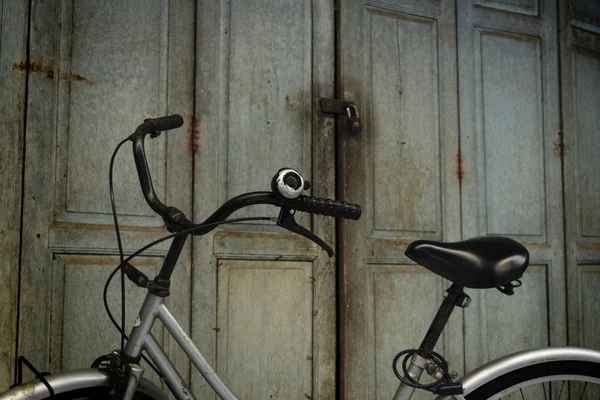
(558,380)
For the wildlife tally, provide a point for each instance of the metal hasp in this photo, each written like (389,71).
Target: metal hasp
(349,120)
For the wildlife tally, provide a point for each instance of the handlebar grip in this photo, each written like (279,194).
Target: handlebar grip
(332,208)
(166,123)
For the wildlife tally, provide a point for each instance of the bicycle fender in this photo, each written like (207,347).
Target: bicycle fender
(63,382)
(512,362)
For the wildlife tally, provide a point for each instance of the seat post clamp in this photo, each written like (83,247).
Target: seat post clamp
(459,298)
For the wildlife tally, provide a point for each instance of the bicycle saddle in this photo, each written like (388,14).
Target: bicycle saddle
(482,262)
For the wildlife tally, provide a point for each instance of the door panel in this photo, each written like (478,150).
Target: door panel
(265,308)
(404,171)
(398,62)
(80,331)
(97,70)
(512,173)
(580,75)
(263,299)
(13,51)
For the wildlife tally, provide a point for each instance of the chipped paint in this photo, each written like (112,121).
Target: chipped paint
(50,72)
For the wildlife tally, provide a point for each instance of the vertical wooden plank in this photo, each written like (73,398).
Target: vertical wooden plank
(580,74)
(75,294)
(398,63)
(263,67)
(13,54)
(264,318)
(397,293)
(324,179)
(38,178)
(85,95)
(180,157)
(512,173)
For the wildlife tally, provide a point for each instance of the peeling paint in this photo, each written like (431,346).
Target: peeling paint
(51,72)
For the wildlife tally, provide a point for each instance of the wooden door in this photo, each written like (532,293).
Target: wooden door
(580,78)
(263,299)
(509,123)
(96,70)
(398,63)
(13,50)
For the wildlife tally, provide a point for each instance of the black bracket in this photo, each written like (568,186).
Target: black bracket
(346,110)
(458,298)
(334,106)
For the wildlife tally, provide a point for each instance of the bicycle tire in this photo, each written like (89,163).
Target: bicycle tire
(555,371)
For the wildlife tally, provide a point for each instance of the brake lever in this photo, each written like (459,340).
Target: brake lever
(286,220)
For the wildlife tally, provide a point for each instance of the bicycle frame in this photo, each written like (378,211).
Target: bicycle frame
(153,308)
(142,339)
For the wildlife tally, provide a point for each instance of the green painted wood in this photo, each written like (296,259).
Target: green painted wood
(263,67)
(580,72)
(509,115)
(13,50)
(98,69)
(398,62)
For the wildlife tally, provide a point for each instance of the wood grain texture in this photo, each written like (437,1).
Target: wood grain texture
(509,122)
(108,75)
(398,62)
(405,123)
(580,60)
(13,30)
(510,119)
(526,7)
(397,293)
(264,319)
(80,330)
(263,67)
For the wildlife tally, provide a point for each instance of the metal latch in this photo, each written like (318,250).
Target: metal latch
(347,112)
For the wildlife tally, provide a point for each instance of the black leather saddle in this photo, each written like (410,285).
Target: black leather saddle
(482,262)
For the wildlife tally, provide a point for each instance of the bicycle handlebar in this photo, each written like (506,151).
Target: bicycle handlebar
(176,221)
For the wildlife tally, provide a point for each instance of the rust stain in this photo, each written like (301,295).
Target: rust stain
(560,148)
(193,132)
(460,172)
(50,72)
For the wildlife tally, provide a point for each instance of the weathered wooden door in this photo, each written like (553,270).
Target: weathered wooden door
(398,62)
(13,46)
(580,78)
(252,291)
(261,303)
(263,300)
(418,70)
(512,186)
(96,70)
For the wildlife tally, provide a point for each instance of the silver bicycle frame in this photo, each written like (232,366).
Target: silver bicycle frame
(141,339)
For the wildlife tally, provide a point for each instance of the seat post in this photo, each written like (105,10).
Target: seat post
(455,297)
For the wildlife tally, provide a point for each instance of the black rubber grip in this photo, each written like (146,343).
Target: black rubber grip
(168,122)
(332,208)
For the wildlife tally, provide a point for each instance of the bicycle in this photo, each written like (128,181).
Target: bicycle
(482,262)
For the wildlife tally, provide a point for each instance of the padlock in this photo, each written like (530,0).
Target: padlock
(353,120)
